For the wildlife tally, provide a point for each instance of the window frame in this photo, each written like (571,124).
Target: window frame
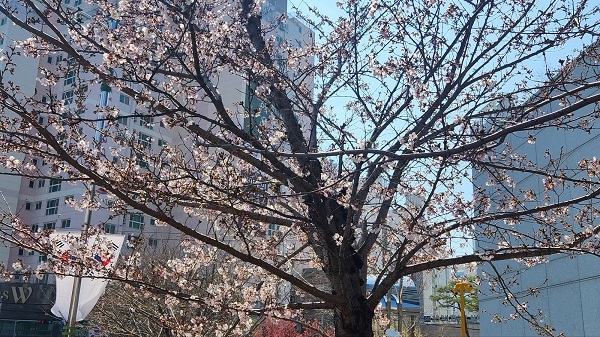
(124,99)
(147,122)
(52,206)
(54,185)
(145,140)
(110,228)
(152,242)
(68,97)
(69,78)
(136,221)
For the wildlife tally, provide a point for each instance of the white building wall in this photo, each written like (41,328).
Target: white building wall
(568,297)
(31,202)
(25,76)
(439,278)
(567,285)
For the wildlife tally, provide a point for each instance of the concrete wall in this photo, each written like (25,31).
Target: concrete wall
(566,286)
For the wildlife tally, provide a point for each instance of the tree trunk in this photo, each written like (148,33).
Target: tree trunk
(355,321)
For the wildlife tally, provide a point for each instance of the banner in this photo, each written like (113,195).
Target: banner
(91,288)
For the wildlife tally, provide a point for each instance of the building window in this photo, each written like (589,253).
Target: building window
(42,258)
(50,225)
(124,99)
(41,183)
(136,221)
(38,205)
(21,251)
(28,206)
(52,206)
(49,60)
(152,222)
(162,142)
(272,229)
(54,185)
(31,253)
(77,3)
(152,242)
(31,184)
(110,228)
(141,162)
(145,140)
(65,223)
(147,122)
(123,119)
(69,78)
(35,228)
(132,240)
(3,21)
(67,97)
(69,198)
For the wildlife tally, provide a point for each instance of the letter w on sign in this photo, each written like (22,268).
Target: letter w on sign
(22,294)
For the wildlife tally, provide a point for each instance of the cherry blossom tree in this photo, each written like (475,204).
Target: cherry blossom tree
(349,148)
(138,309)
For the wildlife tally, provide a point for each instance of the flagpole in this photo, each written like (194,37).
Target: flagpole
(77,279)
(73,306)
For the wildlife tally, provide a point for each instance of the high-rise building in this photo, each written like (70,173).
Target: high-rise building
(44,203)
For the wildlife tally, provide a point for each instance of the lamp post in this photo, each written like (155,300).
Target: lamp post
(461,288)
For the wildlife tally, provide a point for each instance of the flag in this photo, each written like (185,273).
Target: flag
(91,288)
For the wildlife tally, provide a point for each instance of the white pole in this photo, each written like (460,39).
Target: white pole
(72,319)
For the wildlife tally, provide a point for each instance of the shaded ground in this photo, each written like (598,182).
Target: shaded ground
(447,330)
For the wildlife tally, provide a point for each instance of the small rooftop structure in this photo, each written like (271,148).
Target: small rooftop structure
(410,295)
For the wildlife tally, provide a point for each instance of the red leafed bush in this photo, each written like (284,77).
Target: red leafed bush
(272,327)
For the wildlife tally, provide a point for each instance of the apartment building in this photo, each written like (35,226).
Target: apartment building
(45,203)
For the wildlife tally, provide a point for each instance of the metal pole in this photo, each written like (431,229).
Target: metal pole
(73,306)
(388,307)
(399,307)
